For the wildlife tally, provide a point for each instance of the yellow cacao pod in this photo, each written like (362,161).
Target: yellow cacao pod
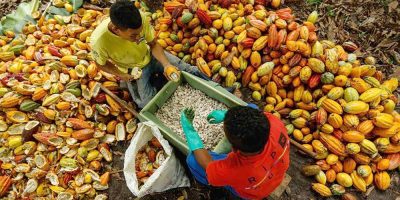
(372,81)
(360,85)
(318,146)
(227,23)
(389,106)
(335,93)
(316,65)
(307,97)
(255,59)
(333,144)
(310,170)
(353,136)
(321,189)
(364,170)
(340,80)
(383,120)
(345,69)
(344,179)
(362,158)
(358,182)
(369,179)
(332,106)
(38,94)
(230,79)
(260,43)
(370,95)
(387,132)
(298,135)
(353,148)
(332,159)
(299,122)
(391,84)
(272,89)
(327,128)
(335,120)
(382,180)
(321,177)
(365,127)
(70,60)
(383,143)
(368,147)
(298,93)
(356,107)
(9,102)
(351,121)
(330,175)
(305,74)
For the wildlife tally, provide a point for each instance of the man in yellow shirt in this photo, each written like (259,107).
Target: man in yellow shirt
(125,44)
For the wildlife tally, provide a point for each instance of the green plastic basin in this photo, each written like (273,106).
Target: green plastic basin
(210,88)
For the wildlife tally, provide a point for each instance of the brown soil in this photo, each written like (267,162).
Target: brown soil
(8,6)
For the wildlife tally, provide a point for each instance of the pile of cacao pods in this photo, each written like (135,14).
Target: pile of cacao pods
(56,126)
(332,102)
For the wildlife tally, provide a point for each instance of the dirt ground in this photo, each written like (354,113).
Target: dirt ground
(374,25)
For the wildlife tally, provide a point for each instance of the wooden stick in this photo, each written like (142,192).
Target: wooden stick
(120,101)
(303,149)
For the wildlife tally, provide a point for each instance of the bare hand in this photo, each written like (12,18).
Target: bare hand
(126,77)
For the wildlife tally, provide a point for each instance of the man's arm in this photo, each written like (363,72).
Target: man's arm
(112,69)
(158,53)
(202,157)
(193,139)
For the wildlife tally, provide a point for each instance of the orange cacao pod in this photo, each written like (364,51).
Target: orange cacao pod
(349,165)
(382,180)
(272,36)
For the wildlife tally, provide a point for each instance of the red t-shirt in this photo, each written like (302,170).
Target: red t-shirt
(255,177)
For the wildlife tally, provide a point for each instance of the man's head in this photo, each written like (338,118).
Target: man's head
(247,129)
(126,19)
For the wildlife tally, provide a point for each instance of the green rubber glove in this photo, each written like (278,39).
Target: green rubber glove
(216,116)
(192,137)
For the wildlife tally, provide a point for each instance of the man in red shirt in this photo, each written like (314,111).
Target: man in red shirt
(259,157)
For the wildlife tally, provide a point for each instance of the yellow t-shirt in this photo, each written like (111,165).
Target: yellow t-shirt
(125,54)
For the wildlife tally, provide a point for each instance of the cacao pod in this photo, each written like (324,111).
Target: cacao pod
(382,180)
(344,179)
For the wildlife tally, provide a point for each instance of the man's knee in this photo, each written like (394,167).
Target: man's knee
(191,160)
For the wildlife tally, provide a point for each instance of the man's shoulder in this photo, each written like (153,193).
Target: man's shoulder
(99,35)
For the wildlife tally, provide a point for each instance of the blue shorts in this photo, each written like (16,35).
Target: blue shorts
(200,174)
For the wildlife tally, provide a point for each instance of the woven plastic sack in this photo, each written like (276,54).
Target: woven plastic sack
(170,174)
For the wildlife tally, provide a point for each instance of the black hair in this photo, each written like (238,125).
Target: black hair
(247,129)
(124,15)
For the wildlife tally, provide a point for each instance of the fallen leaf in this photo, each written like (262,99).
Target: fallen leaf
(396,73)
(369,191)
(393,5)
(180,198)
(118,153)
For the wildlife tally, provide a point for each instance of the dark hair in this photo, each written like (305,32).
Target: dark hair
(125,15)
(247,129)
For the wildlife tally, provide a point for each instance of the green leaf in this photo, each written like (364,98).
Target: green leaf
(35,6)
(76,4)
(21,16)
(57,11)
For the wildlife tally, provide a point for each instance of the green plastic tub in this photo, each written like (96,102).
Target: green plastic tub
(210,88)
